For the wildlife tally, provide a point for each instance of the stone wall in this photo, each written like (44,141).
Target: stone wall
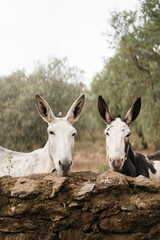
(83,206)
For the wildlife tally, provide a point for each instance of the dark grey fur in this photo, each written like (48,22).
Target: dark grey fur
(136,164)
(154,156)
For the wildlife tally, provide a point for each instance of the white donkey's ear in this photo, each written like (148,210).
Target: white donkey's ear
(76,109)
(133,112)
(104,111)
(44,109)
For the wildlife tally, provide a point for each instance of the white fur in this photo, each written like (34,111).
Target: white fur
(61,144)
(115,145)
(115,139)
(117,133)
(19,164)
(156,176)
(58,147)
(56,153)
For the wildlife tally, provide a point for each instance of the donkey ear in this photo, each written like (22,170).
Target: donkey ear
(75,110)
(133,112)
(104,111)
(44,109)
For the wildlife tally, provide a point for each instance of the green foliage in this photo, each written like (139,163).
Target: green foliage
(21,126)
(134,70)
(9,164)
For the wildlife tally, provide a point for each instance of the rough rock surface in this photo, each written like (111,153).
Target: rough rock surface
(83,206)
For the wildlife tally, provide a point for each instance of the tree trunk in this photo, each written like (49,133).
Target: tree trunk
(141,136)
(83,206)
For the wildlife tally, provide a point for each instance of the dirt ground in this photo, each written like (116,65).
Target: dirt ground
(92,156)
(89,156)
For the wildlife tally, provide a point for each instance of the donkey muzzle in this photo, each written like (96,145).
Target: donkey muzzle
(65,167)
(116,164)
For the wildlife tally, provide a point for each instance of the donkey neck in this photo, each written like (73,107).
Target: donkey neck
(129,167)
(137,164)
(46,159)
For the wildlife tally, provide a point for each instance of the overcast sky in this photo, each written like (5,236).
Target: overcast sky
(34,30)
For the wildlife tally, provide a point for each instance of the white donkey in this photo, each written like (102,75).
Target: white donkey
(57,153)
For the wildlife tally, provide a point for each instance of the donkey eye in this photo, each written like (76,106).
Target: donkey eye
(128,134)
(51,132)
(73,134)
(107,133)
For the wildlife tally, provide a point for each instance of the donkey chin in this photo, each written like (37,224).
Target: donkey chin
(63,172)
(116,164)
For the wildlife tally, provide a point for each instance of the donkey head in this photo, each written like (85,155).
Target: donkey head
(117,132)
(61,132)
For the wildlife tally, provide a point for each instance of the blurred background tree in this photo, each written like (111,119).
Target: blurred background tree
(133,70)
(22,128)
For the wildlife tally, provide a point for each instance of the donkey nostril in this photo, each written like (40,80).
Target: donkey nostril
(70,164)
(60,163)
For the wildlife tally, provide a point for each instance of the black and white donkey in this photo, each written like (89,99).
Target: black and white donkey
(122,158)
